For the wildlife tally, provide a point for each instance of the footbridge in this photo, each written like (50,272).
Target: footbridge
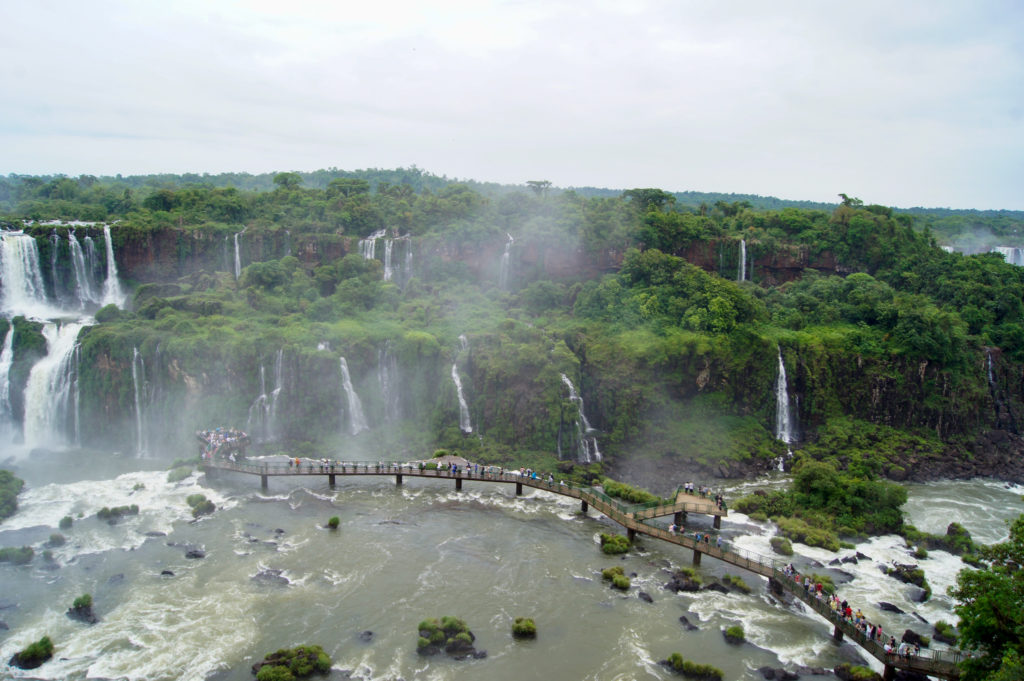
(941,664)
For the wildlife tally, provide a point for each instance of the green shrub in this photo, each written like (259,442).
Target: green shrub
(609,573)
(294,663)
(116,512)
(34,655)
(82,602)
(204,507)
(613,544)
(759,517)
(621,582)
(692,670)
(56,539)
(422,643)
(333,522)
(138,487)
(945,632)
(736,582)
(17,556)
(10,487)
(799,530)
(855,672)
(438,453)
(524,627)
(620,490)
(194,500)
(735,634)
(274,673)
(178,474)
(66,522)
(920,552)
(781,546)
(676,661)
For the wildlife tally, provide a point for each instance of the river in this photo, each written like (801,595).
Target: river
(273,577)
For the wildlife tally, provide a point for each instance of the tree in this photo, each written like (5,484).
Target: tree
(288,180)
(990,605)
(539,187)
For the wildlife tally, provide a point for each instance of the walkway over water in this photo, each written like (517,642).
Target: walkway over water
(633,518)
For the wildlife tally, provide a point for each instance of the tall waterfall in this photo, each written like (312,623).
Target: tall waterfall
(504,265)
(784,429)
(51,398)
(138,383)
(389,247)
(465,425)
(742,275)
(6,359)
(112,292)
(92,261)
(24,292)
(587,442)
(356,419)
(398,272)
(1012,254)
(262,420)
(238,256)
(83,275)
(368,246)
(387,377)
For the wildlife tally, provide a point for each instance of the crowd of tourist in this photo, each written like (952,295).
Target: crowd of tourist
(219,440)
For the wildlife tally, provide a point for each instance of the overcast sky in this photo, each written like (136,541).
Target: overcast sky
(897,102)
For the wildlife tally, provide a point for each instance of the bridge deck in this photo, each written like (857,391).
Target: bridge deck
(931,663)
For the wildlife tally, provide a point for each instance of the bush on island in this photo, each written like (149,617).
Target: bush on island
(194,499)
(438,453)
(112,514)
(292,663)
(613,544)
(848,672)
(34,655)
(621,582)
(17,556)
(82,602)
(799,530)
(56,539)
(692,670)
(178,474)
(524,627)
(736,582)
(609,573)
(945,632)
(621,490)
(333,522)
(204,507)
(65,522)
(734,634)
(449,634)
(10,486)
(781,546)
(81,610)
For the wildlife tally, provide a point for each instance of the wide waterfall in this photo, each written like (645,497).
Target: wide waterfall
(465,425)
(138,383)
(586,441)
(742,274)
(112,293)
(1012,254)
(784,428)
(356,418)
(503,266)
(51,398)
(24,292)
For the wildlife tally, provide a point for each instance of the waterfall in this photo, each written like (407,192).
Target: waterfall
(259,412)
(464,423)
(357,420)
(54,257)
(1011,254)
(138,383)
(90,257)
(387,377)
(287,243)
(6,359)
(407,270)
(368,246)
(784,430)
(83,283)
(743,261)
(587,445)
(111,286)
(238,256)
(24,292)
(275,394)
(504,265)
(50,395)
(389,272)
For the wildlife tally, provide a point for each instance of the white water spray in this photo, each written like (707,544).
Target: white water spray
(50,400)
(588,451)
(138,381)
(464,423)
(357,419)
(504,265)
(83,284)
(24,292)
(6,359)
(783,420)
(742,275)
(112,292)
(238,255)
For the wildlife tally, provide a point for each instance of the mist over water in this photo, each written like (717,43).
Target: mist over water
(273,577)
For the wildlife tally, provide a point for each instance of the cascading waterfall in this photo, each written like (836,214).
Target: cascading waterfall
(389,246)
(368,246)
(1011,254)
(138,383)
(50,395)
(465,425)
(407,272)
(587,442)
(54,257)
(238,255)
(111,286)
(387,377)
(504,265)
(24,292)
(6,359)
(263,411)
(742,275)
(357,419)
(784,429)
(259,412)
(92,261)
(84,292)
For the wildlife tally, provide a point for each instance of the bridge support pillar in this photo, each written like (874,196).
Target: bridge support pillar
(458,484)
(584,507)
(263,482)
(679,518)
(718,522)
(888,673)
(837,634)
(630,535)
(398,479)
(519,489)
(696,557)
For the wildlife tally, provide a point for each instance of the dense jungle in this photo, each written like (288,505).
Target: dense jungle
(630,332)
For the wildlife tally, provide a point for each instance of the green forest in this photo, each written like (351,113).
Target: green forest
(901,358)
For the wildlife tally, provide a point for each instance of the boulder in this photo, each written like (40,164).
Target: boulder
(861,556)
(195,554)
(687,624)
(366,636)
(3,626)
(716,586)
(889,607)
(766,672)
(644,596)
(166,573)
(682,582)
(913,638)
(849,559)
(83,614)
